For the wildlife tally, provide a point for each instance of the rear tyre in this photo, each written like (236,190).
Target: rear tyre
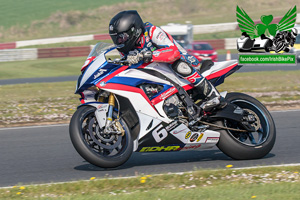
(250,145)
(96,147)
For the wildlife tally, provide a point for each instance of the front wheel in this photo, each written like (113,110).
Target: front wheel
(248,145)
(94,145)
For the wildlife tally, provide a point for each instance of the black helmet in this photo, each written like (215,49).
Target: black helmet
(125,28)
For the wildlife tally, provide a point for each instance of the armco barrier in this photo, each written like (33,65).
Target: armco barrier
(63,52)
(102,37)
(18,54)
(79,38)
(11,45)
(230,43)
(214,28)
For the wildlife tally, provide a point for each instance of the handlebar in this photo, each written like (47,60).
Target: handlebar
(119,61)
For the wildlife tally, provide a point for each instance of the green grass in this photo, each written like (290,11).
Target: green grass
(41,68)
(32,19)
(37,103)
(265,81)
(24,12)
(262,183)
(47,67)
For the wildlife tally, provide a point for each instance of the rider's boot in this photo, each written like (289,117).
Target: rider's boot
(208,92)
(212,96)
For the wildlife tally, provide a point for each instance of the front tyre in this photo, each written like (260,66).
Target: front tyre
(96,147)
(249,145)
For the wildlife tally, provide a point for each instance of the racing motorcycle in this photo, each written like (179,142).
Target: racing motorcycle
(146,107)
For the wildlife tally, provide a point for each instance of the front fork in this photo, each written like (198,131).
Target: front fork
(111,103)
(110,124)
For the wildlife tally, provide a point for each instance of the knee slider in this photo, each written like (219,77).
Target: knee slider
(182,68)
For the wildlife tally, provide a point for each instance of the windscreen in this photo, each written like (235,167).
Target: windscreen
(100,48)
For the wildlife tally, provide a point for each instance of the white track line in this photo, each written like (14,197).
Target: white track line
(174,173)
(29,127)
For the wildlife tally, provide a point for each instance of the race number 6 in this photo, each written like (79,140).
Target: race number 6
(159,135)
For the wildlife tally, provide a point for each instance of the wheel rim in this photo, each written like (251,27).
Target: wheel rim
(261,125)
(107,145)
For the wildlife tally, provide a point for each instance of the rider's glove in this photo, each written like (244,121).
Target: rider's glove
(134,57)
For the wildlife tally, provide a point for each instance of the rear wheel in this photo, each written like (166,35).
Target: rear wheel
(94,145)
(248,145)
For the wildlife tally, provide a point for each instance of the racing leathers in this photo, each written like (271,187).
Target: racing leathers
(155,45)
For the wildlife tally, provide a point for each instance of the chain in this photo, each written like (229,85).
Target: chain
(222,127)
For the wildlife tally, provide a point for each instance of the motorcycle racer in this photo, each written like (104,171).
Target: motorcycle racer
(144,41)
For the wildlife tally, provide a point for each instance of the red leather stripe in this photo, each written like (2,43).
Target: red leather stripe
(152,29)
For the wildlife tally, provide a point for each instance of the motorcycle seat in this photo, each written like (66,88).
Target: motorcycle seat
(206,65)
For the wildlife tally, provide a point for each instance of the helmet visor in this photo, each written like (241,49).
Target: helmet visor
(122,38)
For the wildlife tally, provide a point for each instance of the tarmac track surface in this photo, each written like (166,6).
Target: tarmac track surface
(45,154)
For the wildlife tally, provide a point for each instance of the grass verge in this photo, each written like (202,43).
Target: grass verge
(259,183)
(56,102)
(46,67)
(41,68)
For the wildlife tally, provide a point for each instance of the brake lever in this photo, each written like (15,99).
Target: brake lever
(120,61)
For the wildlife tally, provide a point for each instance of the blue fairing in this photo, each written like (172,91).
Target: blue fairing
(105,70)
(92,73)
(135,82)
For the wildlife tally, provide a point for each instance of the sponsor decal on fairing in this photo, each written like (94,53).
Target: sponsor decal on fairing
(212,139)
(168,93)
(171,125)
(190,147)
(160,149)
(194,137)
(100,72)
(200,137)
(188,135)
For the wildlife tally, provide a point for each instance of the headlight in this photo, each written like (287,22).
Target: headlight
(197,54)
(214,53)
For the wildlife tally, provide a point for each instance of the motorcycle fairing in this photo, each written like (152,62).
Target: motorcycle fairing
(100,112)
(220,70)
(156,129)
(156,134)
(135,94)
(180,136)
